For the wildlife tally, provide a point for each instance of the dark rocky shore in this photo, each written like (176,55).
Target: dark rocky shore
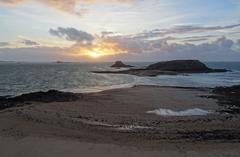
(46,97)
(174,67)
(228,98)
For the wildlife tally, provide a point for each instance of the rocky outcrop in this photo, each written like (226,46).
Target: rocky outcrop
(179,65)
(46,97)
(120,64)
(186,66)
(228,98)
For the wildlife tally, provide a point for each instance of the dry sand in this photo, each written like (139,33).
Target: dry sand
(115,123)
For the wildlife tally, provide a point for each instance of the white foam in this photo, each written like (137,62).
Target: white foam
(131,127)
(188,112)
(98,88)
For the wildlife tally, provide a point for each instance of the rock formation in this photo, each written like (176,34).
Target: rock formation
(174,67)
(179,65)
(120,64)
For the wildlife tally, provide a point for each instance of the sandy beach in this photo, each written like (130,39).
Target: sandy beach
(118,123)
(119,78)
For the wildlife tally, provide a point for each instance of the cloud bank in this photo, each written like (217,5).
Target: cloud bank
(136,47)
(164,47)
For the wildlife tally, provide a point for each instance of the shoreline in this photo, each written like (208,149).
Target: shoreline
(112,87)
(119,117)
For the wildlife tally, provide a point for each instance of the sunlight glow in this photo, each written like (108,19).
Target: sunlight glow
(98,50)
(94,54)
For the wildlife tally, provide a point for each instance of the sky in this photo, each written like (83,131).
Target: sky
(128,30)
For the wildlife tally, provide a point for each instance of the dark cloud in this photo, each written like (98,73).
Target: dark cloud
(4,44)
(181,30)
(184,29)
(29,42)
(72,34)
(190,39)
(224,42)
(238,43)
(219,49)
(197,38)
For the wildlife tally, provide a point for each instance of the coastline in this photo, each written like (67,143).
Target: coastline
(119,117)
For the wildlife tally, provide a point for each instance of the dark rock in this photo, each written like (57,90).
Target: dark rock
(228,98)
(120,64)
(47,97)
(187,66)
(233,90)
(212,135)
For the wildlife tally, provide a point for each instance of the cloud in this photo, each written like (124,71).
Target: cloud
(28,42)
(107,33)
(131,50)
(220,49)
(87,44)
(19,43)
(68,6)
(224,42)
(188,46)
(72,34)
(196,38)
(32,54)
(3,44)
(132,45)
(11,2)
(183,29)
(110,44)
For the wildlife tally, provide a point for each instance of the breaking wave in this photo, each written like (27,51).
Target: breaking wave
(188,112)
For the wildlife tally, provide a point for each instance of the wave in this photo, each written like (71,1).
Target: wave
(188,112)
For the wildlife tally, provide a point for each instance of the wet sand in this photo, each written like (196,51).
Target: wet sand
(115,123)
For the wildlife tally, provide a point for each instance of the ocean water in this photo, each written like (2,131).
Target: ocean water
(19,78)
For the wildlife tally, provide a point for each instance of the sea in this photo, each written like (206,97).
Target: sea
(20,77)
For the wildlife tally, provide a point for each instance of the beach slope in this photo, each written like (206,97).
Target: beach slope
(137,121)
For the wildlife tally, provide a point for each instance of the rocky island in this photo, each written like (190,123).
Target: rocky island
(173,67)
(120,64)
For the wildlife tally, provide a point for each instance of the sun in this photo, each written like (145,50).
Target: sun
(94,54)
